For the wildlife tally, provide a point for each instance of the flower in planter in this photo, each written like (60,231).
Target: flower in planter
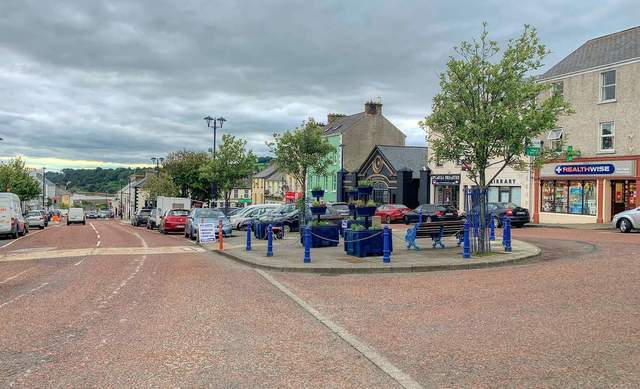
(364,184)
(318,204)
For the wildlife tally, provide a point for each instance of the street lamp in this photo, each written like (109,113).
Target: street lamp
(217,123)
(158,161)
(43,188)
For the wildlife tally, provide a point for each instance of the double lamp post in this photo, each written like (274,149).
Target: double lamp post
(214,123)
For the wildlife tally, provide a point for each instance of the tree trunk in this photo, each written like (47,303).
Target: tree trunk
(227,198)
(302,207)
(482,225)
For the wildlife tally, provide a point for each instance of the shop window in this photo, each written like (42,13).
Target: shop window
(574,197)
(504,194)
(607,133)
(608,86)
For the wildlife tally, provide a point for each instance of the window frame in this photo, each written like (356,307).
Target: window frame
(612,136)
(603,86)
(555,141)
(557,88)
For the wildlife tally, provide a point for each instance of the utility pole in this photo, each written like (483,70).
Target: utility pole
(158,161)
(44,204)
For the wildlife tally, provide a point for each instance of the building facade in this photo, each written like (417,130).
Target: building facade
(240,196)
(271,186)
(601,81)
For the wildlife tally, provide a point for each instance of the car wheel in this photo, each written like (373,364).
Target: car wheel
(387,220)
(406,220)
(16,234)
(42,227)
(286,228)
(624,225)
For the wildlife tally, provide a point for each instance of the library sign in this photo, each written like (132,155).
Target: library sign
(600,168)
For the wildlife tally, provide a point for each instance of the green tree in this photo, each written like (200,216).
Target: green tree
(231,165)
(15,178)
(184,168)
(160,185)
(489,109)
(300,151)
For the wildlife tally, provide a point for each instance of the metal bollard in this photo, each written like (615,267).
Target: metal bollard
(248,246)
(420,216)
(221,237)
(307,244)
(466,241)
(386,251)
(270,241)
(492,228)
(506,231)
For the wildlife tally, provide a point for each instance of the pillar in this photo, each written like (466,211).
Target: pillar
(403,193)
(536,196)
(340,197)
(600,208)
(424,191)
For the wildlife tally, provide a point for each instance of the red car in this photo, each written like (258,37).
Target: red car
(174,220)
(390,213)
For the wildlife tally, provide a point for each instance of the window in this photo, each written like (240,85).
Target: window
(555,136)
(574,197)
(505,194)
(235,193)
(608,86)
(607,133)
(557,88)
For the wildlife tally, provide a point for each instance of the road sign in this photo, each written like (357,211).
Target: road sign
(207,233)
(532,151)
(244,201)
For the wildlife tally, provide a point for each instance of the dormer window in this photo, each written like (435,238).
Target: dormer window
(555,138)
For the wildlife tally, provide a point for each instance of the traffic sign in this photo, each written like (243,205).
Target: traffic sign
(532,151)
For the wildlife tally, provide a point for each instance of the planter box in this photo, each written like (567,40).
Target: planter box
(260,229)
(352,194)
(365,191)
(349,224)
(329,232)
(317,193)
(318,210)
(366,211)
(365,247)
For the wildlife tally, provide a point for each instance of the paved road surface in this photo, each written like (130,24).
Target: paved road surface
(75,312)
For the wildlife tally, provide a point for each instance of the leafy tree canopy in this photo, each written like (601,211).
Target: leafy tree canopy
(15,178)
(93,180)
(160,185)
(184,167)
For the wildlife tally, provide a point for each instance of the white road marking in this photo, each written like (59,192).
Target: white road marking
(22,237)
(24,294)
(16,276)
(98,244)
(80,261)
(367,351)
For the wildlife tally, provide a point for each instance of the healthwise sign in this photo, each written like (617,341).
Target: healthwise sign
(600,168)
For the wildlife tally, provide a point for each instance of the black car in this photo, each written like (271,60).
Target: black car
(519,216)
(432,213)
(141,218)
(291,222)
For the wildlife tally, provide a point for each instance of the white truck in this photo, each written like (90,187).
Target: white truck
(164,204)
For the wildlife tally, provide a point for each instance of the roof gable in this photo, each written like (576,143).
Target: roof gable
(413,158)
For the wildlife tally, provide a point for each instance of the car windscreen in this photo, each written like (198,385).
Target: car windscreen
(142,212)
(340,207)
(34,213)
(179,212)
(210,213)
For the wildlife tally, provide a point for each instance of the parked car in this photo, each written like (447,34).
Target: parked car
(627,220)
(11,220)
(390,213)
(76,215)
(240,220)
(141,217)
(518,216)
(154,219)
(45,216)
(203,216)
(291,222)
(432,213)
(174,220)
(341,208)
(36,219)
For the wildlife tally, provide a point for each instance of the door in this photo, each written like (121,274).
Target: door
(623,196)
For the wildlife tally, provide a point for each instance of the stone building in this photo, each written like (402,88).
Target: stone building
(601,81)
(270,186)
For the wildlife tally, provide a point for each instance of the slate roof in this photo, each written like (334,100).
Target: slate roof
(341,124)
(266,172)
(598,52)
(413,158)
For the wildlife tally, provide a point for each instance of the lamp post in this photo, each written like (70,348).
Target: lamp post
(158,161)
(43,188)
(217,122)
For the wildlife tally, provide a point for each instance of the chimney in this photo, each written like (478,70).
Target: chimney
(373,107)
(333,116)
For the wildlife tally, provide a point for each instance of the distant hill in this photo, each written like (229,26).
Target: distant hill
(263,162)
(93,180)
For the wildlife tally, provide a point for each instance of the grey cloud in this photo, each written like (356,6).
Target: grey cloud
(121,81)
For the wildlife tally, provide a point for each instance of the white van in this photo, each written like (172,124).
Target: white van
(11,219)
(76,215)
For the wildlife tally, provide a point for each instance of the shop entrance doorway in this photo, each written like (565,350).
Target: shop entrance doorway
(623,196)
(447,195)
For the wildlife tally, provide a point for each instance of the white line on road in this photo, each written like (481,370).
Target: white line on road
(98,244)
(79,262)
(16,276)
(22,237)
(24,294)
(372,355)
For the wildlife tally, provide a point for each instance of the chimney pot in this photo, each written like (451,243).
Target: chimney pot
(373,107)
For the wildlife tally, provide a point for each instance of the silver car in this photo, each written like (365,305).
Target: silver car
(627,220)
(36,219)
(240,219)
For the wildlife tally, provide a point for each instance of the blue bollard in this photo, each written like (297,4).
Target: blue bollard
(506,231)
(420,216)
(248,246)
(466,241)
(270,241)
(492,228)
(307,244)
(386,251)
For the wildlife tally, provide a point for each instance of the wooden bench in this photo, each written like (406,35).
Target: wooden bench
(436,231)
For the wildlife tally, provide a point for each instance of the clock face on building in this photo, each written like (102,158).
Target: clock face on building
(377,165)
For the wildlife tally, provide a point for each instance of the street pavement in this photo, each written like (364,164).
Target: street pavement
(107,304)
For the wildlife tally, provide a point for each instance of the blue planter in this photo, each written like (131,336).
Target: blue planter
(352,207)
(318,210)
(365,191)
(365,211)
(352,194)
(260,229)
(317,193)
(355,243)
(349,224)
(331,233)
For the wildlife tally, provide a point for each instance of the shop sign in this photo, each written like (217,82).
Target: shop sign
(600,168)
(504,181)
(207,232)
(445,179)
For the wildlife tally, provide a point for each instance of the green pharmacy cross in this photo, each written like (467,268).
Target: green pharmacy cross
(571,153)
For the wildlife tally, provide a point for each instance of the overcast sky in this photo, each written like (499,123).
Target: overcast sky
(111,83)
